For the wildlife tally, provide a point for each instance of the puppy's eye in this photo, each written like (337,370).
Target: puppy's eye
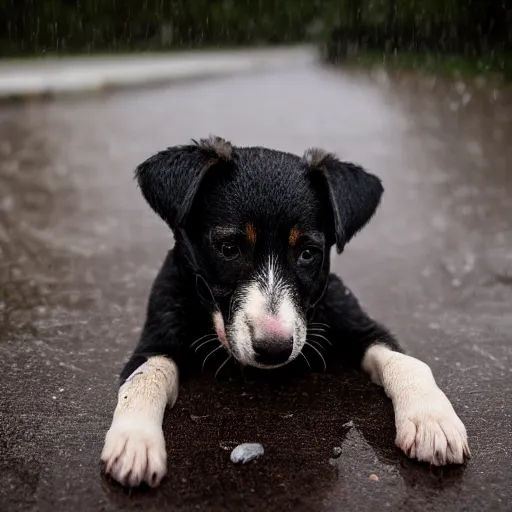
(229,251)
(308,256)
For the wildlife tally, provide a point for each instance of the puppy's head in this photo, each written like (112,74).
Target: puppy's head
(257,225)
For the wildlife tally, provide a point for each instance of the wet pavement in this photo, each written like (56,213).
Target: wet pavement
(47,77)
(79,249)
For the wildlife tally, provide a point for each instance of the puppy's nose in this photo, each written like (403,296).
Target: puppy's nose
(273,340)
(272,350)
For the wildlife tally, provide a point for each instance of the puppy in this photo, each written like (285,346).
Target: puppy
(253,230)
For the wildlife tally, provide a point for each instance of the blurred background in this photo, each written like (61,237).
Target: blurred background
(475,34)
(416,91)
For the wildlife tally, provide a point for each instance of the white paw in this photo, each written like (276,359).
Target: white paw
(134,452)
(429,430)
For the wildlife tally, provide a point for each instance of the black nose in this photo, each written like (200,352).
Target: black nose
(272,350)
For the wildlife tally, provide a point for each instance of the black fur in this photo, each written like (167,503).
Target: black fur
(199,189)
(354,194)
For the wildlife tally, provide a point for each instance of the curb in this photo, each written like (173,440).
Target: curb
(52,77)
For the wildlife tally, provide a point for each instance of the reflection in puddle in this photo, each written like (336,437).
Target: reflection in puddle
(362,473)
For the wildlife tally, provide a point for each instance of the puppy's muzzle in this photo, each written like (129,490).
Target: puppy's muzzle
(272,340)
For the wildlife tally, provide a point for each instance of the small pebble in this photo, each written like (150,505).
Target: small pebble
(246,452)
(336,451)
(374,477)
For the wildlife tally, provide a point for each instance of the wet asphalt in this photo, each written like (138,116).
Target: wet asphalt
(79,249)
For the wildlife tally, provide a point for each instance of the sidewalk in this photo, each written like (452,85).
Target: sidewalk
(52,76)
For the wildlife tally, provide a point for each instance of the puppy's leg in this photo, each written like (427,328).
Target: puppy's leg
(134,450)
(427,427)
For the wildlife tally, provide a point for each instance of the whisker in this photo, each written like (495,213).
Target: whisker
(222,365)
(230,309)
(319,353)
(316,329)
(317,343)
(320,336)
(205,343)
(319,323)
(306,359)
(212,352)
(201,338)
(199,276)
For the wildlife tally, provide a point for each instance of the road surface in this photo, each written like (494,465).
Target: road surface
(79,249)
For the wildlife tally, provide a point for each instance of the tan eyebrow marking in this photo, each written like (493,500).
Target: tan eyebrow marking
(294,236)
(250,233)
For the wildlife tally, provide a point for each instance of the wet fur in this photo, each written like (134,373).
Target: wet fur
(275,197)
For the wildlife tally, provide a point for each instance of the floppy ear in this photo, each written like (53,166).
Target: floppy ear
(170,179)
(354,194)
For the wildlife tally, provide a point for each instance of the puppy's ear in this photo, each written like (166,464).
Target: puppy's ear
(354,194)
(170,179)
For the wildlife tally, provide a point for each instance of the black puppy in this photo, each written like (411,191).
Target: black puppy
(253,230)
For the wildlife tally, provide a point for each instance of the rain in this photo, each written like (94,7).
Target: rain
(416,91)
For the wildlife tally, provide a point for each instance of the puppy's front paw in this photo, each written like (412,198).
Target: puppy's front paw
(429,430)
(134,452)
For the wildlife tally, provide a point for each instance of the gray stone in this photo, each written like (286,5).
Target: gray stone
(246,452)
